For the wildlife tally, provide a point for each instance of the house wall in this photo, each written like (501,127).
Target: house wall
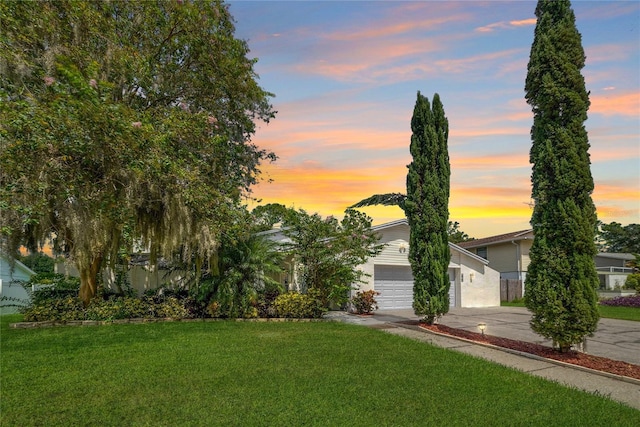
(610,262)
(12,294)
(481,291)
(479,284)
(610,281)
(394,238)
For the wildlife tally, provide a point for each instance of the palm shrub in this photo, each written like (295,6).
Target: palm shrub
(243,270)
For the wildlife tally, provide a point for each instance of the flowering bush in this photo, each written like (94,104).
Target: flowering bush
(630,301)
(365,302)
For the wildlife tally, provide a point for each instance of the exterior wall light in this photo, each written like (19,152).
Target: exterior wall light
(403,248)
(471,276)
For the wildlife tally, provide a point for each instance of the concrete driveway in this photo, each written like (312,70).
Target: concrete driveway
(614,339)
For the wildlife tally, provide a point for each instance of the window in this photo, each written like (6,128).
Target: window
(482,252)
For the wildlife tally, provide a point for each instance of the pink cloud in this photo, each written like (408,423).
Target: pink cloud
(626,104)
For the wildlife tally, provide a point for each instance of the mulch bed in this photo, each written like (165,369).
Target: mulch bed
(575,358)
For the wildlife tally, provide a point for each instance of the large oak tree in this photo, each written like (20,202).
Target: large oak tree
(124,119)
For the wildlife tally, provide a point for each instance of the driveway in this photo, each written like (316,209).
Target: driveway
(614,339)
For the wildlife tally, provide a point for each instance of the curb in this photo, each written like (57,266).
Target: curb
(536,357)
(141,320)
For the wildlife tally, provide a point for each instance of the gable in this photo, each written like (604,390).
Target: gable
(18,272)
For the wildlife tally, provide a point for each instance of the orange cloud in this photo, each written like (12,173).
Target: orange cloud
(484,162)
(627,104)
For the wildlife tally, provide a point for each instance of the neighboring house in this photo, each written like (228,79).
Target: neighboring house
(473,283)
(509,254)
(12,293)
(612,269)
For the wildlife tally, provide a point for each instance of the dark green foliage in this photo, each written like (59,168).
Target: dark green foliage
(52,286)
(427,210)
(242,276)
(124,118)
(561,281)
(615,237)
(38,262)
(329,251)
(389,199)
(266,216)
(455,234)
(633,282)
(398,199)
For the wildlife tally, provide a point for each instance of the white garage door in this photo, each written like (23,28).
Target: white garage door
(395,284)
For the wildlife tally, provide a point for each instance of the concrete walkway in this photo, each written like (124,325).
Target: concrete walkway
(615,339)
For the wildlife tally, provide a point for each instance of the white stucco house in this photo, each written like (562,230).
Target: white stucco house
(12,293)
(473,282)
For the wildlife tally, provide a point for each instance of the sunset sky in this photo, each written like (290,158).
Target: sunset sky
(345,77)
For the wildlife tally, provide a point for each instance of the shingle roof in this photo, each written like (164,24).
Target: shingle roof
(507,237)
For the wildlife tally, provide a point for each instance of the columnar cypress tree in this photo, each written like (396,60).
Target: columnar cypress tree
(427,208)
(561,283)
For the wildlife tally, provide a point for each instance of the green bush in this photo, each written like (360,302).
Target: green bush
(171,307)
(633,282)
(56,286)
(299,306)
(69,308)
(118,308)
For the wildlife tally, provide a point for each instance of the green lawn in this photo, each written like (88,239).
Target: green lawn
(271,374)
(606,311)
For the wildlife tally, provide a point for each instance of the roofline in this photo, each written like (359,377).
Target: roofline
(21,265)
(451,245)
(502,238)
(379,227)
(468,253)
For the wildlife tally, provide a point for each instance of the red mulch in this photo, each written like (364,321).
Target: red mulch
(575,358)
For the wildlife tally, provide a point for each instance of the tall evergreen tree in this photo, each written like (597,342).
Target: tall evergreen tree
(427,208)
(560,289)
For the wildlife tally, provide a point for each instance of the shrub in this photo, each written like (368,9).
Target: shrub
(365,302)
(633,282)
(56,286)
(69,308)
(630,301)
(299,306)
(171,307)
(118,308)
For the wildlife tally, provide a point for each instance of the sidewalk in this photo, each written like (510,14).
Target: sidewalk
(615,339)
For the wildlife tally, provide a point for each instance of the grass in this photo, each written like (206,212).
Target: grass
(269,374)
(622,313)
(606,311)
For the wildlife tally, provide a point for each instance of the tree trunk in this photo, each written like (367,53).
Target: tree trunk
(89,280)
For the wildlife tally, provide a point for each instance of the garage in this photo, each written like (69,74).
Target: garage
(395,284)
